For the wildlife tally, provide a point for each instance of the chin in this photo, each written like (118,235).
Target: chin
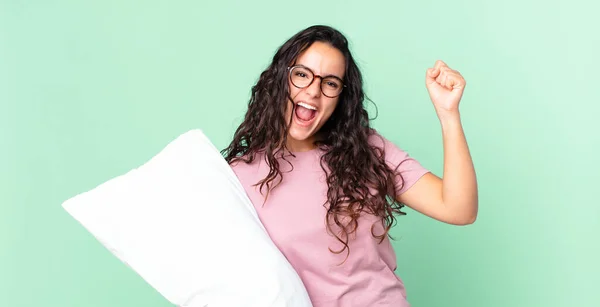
(300,135)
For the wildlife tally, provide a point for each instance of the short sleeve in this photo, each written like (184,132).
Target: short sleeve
(409,168)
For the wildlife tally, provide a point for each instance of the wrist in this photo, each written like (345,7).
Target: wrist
(448,117)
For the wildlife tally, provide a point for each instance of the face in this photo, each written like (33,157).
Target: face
(313,107)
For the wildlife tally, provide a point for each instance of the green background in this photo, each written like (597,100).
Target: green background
(91,89)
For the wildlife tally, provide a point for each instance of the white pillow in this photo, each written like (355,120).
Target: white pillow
(183,222)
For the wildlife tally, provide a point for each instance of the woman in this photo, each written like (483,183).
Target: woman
(327,186)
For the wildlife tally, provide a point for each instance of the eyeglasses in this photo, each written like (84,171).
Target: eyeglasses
(303,77)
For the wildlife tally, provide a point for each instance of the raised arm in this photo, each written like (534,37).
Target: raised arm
(453,198)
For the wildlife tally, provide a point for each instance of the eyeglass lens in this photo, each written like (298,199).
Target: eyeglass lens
(302,77)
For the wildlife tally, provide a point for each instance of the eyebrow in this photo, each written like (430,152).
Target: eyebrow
(325,76)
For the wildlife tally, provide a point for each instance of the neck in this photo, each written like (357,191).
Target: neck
(300,146)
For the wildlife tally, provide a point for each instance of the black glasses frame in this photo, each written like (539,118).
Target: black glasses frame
(290,68)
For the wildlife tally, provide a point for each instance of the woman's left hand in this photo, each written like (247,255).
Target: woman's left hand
(452,198)
(445,87)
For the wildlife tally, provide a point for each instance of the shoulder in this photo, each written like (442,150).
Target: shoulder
(398,159)
(389,149)
(246,163)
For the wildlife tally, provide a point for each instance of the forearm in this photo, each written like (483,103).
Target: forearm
(459,188)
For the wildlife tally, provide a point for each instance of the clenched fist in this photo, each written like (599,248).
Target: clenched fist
(445,87)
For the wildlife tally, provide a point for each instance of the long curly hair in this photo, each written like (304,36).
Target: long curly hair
(358,178)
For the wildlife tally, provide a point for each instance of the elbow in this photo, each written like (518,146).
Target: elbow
(471,215)
(467,219)
(470,220)
(463,212)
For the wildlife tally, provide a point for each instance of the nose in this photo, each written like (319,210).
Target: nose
(314,89)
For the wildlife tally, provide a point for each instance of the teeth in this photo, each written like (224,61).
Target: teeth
(307,106)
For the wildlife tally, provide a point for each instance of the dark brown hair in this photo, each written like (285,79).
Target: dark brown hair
(359,180)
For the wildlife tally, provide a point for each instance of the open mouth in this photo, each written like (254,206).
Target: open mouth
(305,113)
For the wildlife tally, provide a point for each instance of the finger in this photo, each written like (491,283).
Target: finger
(439,64)
(431,75)
(454,72)
(455,81)
(447,75)
(441,79)
(450,82)
(446,69)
